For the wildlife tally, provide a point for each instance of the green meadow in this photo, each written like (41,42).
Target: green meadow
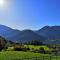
(27,55)
(16,55)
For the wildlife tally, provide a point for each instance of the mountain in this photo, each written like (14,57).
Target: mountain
(29,35)
(52,34)
(8,33)
(47,34)
(17,35)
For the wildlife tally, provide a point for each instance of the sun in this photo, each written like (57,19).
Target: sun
(1,2)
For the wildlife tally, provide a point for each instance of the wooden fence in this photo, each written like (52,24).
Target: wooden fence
(40,58)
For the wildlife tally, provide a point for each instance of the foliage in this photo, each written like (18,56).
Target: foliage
(21,48)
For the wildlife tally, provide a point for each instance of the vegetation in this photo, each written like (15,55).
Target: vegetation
(16,55)
(32,52)
(17,51)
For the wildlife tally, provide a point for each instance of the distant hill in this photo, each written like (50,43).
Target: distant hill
(52,34)
(47,34)
(8,33)
(19,36)
(29,35)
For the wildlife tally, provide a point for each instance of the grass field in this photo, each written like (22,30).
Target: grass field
(15,55)
(10,55)
(20,55)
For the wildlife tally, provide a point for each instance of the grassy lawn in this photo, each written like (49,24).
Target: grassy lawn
(15,55)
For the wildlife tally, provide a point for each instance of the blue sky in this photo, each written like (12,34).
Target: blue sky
(30,14)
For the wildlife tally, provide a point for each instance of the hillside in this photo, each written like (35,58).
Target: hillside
(47,34)
(52,33)
(19,36)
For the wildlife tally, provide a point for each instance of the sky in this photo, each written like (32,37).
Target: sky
(30,14)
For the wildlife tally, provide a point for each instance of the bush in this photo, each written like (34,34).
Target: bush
(32,49)
(27,47)
(36,51)
(21,48)
(10,49)
(48,52)
(41,50)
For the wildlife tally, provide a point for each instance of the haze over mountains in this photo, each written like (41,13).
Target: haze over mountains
(47,34)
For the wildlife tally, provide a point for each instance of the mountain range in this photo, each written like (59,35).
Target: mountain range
(47,34)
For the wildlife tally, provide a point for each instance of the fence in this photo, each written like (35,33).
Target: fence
(41,58)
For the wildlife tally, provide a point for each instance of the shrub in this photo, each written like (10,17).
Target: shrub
(21,48)
(27,47)
(41,50)
(32,49)
(48,52)
(10,49)
(36,51)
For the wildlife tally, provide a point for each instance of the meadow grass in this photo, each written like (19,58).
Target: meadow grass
(17,55)
(21,55)
(10,55)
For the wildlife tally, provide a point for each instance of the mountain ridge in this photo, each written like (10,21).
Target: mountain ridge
(17,35)
(47,34)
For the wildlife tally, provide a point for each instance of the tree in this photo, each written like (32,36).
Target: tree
(36,42)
